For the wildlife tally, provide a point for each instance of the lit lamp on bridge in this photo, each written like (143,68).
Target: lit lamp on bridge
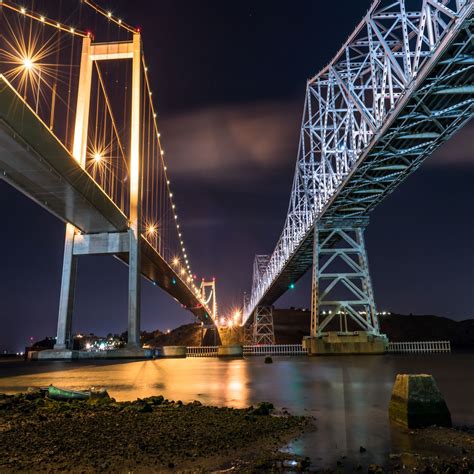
(151,229)
(28,64)
(237,316)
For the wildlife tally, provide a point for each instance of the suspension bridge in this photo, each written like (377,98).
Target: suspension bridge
(399,87)
(79,136)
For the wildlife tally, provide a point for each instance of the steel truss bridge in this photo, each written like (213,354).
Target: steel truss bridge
(401,85)
(79,135)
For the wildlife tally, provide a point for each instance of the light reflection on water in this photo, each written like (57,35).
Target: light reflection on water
(348,395)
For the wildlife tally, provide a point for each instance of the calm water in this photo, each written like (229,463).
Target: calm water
(348,395)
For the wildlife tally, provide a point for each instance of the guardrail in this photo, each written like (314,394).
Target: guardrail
(263,350)
(419,347)
(275,349)
(201,351)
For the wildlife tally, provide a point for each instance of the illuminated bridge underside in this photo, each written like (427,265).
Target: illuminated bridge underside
(434,106)
(37,164)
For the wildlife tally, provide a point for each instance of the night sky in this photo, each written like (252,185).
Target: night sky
(229,81)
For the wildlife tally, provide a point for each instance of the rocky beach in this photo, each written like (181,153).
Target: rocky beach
(153,434)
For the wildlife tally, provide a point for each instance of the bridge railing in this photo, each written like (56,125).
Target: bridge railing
(201,351)
(261,350)
(275,349)
(410,347)
(419,347)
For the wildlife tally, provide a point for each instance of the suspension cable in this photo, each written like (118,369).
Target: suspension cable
(42,19)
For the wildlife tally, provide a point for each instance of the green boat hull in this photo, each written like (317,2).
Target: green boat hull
(56,393)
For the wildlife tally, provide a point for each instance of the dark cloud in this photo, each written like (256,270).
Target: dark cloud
(225,142)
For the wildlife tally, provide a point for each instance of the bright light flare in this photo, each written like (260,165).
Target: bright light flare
(27,59)
(28,64)
(151,229)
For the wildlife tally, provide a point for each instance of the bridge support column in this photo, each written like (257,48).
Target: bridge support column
(77,244)
(134,291)
(343,313)
(68,283)
(68,287)
(314,284)
(263,331)
(135,200)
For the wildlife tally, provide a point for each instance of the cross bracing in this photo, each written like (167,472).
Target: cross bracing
(399,87)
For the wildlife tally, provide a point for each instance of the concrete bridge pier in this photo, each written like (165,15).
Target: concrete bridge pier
(134,291)
(68,288)
(78,244)
(343,312)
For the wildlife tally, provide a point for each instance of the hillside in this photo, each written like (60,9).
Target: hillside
(292,324)
(186,335)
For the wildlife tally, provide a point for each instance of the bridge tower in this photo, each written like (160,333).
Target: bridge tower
(208,294)
(263,330)
(106,243)
(343,310)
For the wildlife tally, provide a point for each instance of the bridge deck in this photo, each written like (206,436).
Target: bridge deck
(440,102)
(38,165)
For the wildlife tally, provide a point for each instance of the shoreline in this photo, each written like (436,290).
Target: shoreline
(159,435)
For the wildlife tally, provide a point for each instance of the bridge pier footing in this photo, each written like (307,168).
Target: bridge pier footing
(334,343)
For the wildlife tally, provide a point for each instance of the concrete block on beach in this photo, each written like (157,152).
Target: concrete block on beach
(417,402)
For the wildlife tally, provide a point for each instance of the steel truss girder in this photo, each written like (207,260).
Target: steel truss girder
(263,331)
(398,89)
